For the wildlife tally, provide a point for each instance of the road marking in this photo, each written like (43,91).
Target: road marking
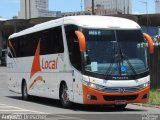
(65,117)
(4,107)
(18,109)
(10,110)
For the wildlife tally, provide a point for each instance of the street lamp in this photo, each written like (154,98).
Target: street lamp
(92,7)
(146,4)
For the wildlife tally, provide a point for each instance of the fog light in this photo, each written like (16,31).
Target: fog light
(145,96)
(91,97)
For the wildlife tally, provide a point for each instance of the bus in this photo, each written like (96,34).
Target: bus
(91,60)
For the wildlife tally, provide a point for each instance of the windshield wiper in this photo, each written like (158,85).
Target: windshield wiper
(124,57)
(118,58)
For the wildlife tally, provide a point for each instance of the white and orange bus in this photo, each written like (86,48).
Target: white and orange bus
(96,60)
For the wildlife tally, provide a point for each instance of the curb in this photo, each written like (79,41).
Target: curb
(146,105)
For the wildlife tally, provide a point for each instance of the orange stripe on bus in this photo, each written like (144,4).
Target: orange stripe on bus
(36,62)
(39,78)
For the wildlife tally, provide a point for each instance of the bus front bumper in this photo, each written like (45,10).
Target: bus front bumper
(95,97)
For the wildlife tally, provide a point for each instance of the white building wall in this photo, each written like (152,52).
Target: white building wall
(34,8)
(21,14)
(123,6)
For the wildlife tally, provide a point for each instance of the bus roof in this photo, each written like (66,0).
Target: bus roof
(87,21)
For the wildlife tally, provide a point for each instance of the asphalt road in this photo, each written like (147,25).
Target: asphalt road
(11,104)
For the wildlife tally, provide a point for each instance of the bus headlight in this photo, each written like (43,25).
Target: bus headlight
(145,85)
(94,86)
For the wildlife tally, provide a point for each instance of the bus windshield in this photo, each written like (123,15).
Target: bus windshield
(115,52)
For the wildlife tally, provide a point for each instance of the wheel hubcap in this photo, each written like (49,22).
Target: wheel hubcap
(65,95)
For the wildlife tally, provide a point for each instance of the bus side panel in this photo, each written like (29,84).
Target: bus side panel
(67,78)
(77,87)
(14,83)
(20,69)
(73,79)
(13,76)
(49,85)
(46,77)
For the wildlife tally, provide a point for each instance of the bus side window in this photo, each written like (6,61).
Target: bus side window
(73,46)
(58,40)
(28,45)
(52,41)
(45,44)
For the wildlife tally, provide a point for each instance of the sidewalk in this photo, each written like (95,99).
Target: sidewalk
(3,70)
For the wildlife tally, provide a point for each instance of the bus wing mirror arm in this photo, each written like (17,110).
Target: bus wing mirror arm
(150,43)
(82,41)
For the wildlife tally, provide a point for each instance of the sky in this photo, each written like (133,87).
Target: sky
(10,8)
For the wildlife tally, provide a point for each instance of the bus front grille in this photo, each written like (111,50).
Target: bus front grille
(119,97)
(118,89)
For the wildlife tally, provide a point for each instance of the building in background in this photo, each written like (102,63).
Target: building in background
(35,8)
(157,6)
(64,14)
(105,7)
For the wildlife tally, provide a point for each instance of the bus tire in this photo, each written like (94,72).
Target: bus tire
(25,95)
(64,96)
(120,107)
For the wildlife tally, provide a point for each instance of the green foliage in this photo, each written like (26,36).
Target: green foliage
(154,97)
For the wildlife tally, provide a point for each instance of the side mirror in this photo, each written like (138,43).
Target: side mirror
(150,43)
(82,41)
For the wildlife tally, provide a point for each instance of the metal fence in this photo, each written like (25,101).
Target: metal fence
(154,64)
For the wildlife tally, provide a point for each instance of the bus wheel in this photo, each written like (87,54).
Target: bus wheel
(120,107)
(25,95)
(64,96)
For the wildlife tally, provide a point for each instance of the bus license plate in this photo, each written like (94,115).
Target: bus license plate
(120,102)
